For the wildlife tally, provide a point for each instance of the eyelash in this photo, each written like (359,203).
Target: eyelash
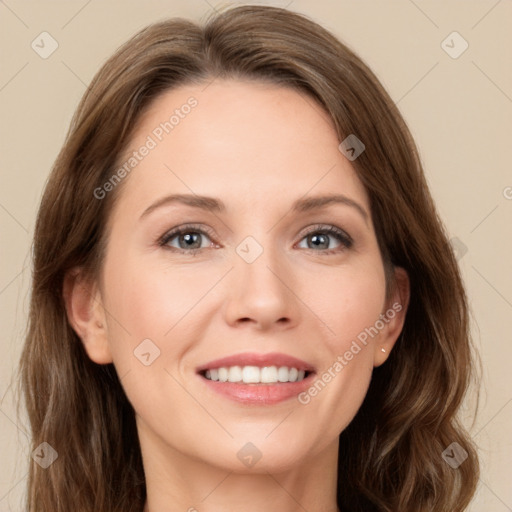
(342,237)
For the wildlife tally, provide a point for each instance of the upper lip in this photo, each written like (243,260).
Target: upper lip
(255,359)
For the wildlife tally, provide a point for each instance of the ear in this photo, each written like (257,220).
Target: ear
(393,317)
(86,315)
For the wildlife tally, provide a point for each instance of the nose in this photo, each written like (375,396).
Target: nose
(261,294)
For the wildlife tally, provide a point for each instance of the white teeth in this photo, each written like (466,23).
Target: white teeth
(235,374)
(269,374)
(251,374)
(255,374)
(282,374)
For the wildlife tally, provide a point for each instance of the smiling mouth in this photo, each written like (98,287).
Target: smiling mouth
(255,374)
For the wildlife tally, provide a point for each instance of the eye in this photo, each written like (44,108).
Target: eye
(320,239)
(186,239)
(190,239)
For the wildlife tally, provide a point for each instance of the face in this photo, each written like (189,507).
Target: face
(269,259)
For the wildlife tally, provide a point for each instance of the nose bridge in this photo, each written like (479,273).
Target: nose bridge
(259,271)
(257,264)
(260,284)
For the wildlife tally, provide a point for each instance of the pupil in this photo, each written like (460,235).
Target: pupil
(320,238)
(190,238)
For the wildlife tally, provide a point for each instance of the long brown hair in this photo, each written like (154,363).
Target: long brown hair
(390,455)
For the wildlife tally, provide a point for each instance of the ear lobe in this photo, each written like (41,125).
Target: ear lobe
(395,315)
(86,315)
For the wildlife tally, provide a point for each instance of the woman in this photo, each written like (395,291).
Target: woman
(243,297)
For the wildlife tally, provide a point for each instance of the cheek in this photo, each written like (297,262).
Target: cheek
(150,328)
(149,299)
(355,301)
(348,300)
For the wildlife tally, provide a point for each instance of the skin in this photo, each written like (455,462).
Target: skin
(240,144)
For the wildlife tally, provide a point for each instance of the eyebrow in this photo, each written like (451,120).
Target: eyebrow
(212,204)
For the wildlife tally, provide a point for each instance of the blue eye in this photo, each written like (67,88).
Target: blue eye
(189,239)
(320,238)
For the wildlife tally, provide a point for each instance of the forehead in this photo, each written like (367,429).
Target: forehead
(248,142)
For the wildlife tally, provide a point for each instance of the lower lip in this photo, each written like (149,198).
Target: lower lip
(259,394)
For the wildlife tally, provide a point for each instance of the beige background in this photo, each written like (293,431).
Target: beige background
(459,111)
